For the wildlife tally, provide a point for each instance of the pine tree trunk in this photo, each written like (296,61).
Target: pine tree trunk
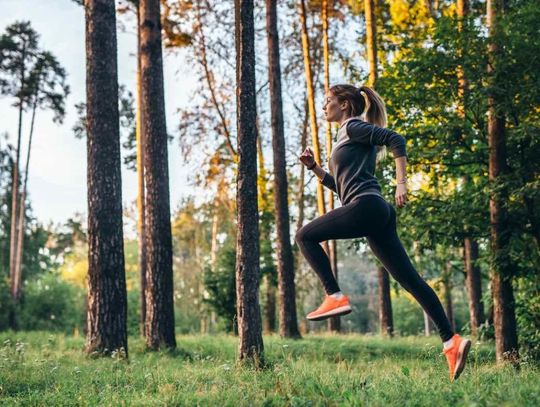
(159,324)
(371,41)
(247,258)
(474,284)
(311,104)
(107,299)
(470,246)
(334,324)
(15,284)
(288,323)
(506,343)
(140,184)
(22,207)
(385,304)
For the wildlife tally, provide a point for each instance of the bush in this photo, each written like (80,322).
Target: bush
(48,303)
(408,316)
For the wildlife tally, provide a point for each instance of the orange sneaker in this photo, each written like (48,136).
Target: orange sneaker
(456,355)
(331,308)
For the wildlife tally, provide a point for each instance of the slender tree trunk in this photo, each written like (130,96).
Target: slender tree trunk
(506,343)
(334,324)
(15,287)
(159,324)
(22,205)
(288,323)
(107,299)
(209,76)
(140,183)
(427,321)
(474,284)
(264,236)
(371,38)
(301,180)
(470,246)
(311,103)
(251,346)
(385,304)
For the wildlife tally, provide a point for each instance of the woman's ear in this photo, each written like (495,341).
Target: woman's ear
(344,105)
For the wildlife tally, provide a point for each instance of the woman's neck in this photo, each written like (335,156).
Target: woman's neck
(343,120)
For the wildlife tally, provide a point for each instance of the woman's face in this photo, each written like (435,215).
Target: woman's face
(333,109)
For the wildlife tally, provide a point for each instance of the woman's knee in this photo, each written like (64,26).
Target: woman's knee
(301,235)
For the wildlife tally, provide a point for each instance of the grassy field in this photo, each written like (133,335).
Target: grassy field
(40,368)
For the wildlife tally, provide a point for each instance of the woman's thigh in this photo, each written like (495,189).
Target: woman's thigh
(363,217)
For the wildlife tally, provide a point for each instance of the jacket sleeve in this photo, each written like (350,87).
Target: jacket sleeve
(329,182)
(367,133)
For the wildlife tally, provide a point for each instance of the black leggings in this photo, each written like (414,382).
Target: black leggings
(372,217)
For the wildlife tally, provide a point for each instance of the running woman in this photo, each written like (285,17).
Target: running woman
(364,211)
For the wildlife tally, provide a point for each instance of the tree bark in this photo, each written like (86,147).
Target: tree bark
(15,284)
(265,236)
(470,246)
(334,324)
(506,343)
(107,299)
(22,204)
(159,324)
(311,104)
(385,303)
(371,39)
(247,257)
(141,204)
(288,323)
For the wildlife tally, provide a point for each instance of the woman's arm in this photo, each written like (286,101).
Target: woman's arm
(325,178)
(367,133)
(401,180)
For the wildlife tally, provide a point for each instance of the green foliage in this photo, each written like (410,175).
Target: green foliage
(528,314)
(126,112)
(221,286)
(408,317)
(51,304)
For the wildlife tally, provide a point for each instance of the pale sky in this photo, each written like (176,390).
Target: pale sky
(57,175)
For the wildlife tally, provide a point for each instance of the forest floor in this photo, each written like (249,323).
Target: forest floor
(46,369)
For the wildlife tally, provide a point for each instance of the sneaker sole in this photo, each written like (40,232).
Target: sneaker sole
(336,312)
(463,351)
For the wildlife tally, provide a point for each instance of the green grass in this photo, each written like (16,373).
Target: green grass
(39,368)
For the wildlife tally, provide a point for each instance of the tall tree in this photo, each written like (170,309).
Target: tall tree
(159,324)
(385,305)
(506,343)
(288,324)
(334,324)
(311,104)
(18,53)
(473,277)
(107,302)
(251,346)
(48,90)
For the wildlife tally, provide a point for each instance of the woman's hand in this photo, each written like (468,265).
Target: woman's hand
(401,195)
(307,158)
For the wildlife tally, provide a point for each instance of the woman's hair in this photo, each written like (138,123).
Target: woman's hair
(364,101)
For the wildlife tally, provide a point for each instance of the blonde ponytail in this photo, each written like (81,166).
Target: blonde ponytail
(375,113)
